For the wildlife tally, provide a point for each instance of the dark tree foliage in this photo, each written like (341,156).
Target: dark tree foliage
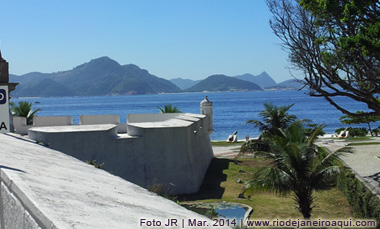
(336,43)
(348,119)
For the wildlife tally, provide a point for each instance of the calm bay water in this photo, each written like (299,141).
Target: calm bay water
(231,109)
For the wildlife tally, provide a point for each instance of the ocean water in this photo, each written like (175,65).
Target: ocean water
(231,109)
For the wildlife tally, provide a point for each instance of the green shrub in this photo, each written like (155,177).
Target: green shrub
(354,132)
(93,162)
(311,127)
(254,145)
(358,132)
(337,131)
(376,132)
(365,204)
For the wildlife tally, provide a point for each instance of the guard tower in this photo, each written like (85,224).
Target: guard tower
(206,109)
(5,88)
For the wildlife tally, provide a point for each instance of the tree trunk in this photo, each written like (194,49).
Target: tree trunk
(370,130)
(305,210)
(304,200)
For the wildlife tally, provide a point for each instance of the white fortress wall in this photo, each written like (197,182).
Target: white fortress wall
(180,151)
(170,150)
(44,188)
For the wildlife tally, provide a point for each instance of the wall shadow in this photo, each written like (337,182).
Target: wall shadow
(375,177)
(10,168)
(210,188)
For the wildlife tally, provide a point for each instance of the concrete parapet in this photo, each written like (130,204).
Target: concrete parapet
(43,188)
(133,118)
(99,119)
(103,119)
(81,141)
(20,126)
(52,120)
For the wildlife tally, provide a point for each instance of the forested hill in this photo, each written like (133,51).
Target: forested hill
(263,80)
(102,76)
(223,83)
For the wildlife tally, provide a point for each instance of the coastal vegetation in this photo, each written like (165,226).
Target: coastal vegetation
(274,118)
(353,132)
(297,166)
(336,44)
(224,143)
(221,185)
(364,203)
(349,119)
(290,164)
(24,109)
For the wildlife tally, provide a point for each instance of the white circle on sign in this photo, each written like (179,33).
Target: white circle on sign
(2,96)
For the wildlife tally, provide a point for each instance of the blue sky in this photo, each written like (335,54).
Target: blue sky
(170,38)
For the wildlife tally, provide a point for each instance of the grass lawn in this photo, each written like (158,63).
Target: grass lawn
(221,184)
(224,143)
(363,143)
(366,138)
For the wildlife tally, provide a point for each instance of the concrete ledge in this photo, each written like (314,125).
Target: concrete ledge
(76,128)
(43,188)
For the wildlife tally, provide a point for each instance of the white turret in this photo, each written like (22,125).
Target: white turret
(206,109)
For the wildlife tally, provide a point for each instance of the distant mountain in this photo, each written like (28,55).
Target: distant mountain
(102,76)
(184,83)
(263,80)
(223,83)
(292,84)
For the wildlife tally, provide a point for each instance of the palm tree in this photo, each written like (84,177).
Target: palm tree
(274,118)
(24,109)
(298,166)
(169,109)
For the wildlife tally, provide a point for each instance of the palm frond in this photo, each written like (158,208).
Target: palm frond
(315,133)
(24,109)
(269,179)
(169,109)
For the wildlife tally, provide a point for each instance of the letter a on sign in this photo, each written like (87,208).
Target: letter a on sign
(4,110)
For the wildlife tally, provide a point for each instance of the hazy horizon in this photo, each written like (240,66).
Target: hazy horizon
(189,39)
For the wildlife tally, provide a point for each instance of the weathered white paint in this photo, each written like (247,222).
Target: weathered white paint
(44,188)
